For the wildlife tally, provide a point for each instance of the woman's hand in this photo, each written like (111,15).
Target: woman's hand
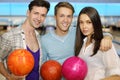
(113,77)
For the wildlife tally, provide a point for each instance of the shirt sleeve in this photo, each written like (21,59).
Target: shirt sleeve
(5,47)
(112,62)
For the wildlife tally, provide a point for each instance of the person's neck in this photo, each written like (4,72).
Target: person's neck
(27,28)
(89,41)
(61,33)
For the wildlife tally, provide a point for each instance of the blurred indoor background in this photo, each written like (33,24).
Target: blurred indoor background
(13,13)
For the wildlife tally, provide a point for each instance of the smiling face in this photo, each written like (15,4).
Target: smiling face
(36,16)
(63,19)
(86,25)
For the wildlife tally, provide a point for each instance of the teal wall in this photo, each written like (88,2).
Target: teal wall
(19,9)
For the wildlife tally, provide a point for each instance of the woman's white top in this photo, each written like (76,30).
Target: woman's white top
(102,64)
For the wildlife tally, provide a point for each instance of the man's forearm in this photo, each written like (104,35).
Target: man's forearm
(3,71)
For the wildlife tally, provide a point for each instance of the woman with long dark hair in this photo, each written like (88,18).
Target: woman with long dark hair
(88,37)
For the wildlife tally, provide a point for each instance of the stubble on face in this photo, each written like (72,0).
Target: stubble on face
(63,18)
(37,16)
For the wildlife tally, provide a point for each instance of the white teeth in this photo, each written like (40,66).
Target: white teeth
(64,24)
(37,22)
